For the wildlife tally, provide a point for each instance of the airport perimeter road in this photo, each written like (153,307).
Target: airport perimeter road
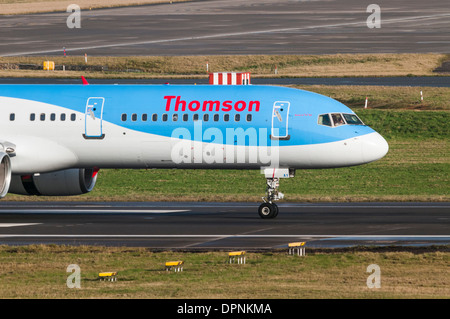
(235,27)
(224,225)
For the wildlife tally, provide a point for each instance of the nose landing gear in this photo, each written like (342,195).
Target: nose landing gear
(269,209)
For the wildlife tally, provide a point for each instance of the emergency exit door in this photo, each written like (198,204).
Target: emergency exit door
(280,120)
(94,118)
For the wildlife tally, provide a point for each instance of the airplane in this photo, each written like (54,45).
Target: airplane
(54,139)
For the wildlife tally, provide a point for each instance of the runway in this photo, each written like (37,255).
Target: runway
(234,27)
(211,226)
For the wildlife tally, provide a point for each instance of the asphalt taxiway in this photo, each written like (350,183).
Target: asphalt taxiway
(234,27)
(209,226)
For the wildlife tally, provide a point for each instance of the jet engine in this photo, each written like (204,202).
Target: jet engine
(5,174)
(61,183)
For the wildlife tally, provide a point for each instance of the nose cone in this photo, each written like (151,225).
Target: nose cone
(374,147)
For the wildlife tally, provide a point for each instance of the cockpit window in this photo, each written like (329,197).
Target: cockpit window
(338,119)
(324,119)
(352,119)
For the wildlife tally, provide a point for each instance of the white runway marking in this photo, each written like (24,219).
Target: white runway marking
(96,211)
(17,224)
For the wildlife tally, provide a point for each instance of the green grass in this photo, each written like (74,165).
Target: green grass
(40,272)
(398,125)
(386,97)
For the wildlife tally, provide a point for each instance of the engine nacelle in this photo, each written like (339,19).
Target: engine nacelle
(61,183)
(5,174)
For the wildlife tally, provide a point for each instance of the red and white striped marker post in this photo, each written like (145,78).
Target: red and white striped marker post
(229,78)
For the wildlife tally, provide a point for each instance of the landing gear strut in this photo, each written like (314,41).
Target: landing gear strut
(269,209)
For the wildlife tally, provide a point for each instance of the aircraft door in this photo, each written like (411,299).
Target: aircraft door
(280,119)
(93,118)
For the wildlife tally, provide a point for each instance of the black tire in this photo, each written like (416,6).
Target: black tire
(267,210)
(276,210)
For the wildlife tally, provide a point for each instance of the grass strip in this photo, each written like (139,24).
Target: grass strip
(39,271)
(386,98)
(9,7)
(336,65)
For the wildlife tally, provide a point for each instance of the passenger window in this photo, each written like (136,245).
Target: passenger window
(32,117)
(144,117)
(63,117)
(249,117)
(226,117)
(337,119)
(164,117)
(42,117)
(73,117)
(237,117)
(216,118)
(154,117)
(185,117)
(175,117)
(124,117)
(206,117)
(134,117)
(52,117)
(195,117)
(324,119)
(12,116)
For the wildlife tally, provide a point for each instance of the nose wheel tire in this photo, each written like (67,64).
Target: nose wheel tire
(268,210)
